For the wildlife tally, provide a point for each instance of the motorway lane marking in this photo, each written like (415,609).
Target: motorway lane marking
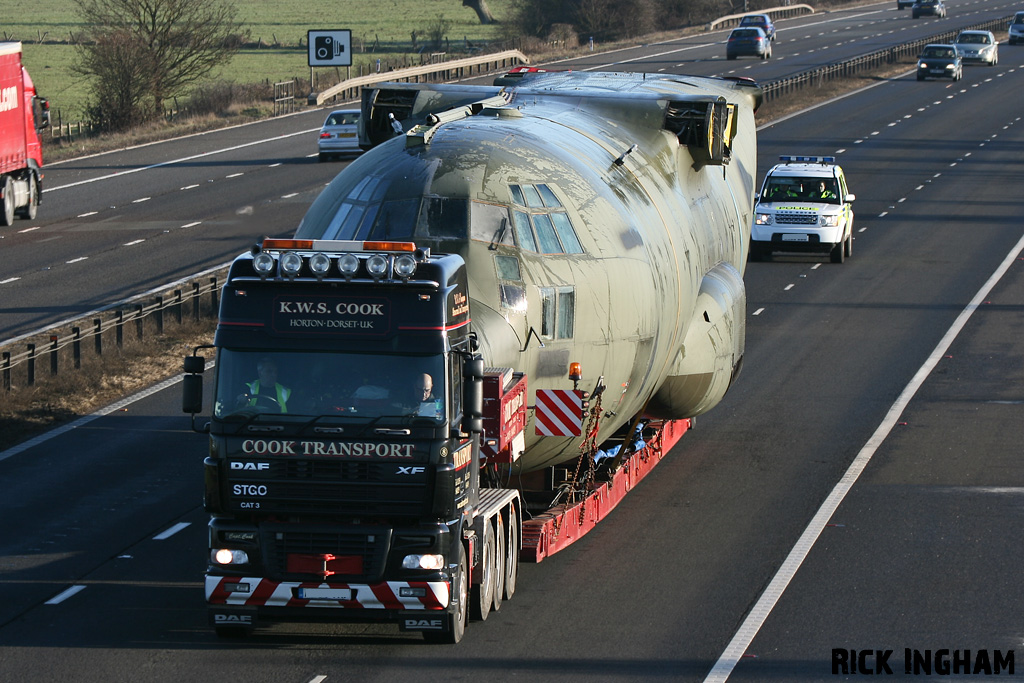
(192,224)
(771,595)
(76,260)
(182,160)
(87,214)
(82,421)
(57,599)
(133,242)
(139,201)
(10,279)
(171,531)
(318,679)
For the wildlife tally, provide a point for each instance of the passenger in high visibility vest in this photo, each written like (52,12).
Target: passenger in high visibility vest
(266,391)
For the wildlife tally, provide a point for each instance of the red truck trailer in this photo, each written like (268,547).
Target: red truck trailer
(23,114)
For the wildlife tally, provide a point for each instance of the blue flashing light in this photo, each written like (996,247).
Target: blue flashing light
(787,159)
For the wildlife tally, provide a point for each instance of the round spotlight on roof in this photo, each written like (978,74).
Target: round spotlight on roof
(376,266)
(405,266)
(263,264)
(291,263)
(348,265)
(319,264)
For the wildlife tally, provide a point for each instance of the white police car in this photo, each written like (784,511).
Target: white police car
(804,206)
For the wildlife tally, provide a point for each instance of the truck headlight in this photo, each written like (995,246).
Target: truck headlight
(430,561)
(830,221)
(762,219)
(226,556)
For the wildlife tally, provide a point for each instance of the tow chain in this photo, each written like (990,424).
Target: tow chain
(588,448)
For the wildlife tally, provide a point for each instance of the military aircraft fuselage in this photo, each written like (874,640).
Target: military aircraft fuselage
(604,219)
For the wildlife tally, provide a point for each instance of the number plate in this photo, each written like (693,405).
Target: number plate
(346,135)
(795,238)
(324,593)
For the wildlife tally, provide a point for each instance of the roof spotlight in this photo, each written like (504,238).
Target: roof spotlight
(291,263)
(405,266)
(348,265)
(263,264)
(319,264)
(377,266)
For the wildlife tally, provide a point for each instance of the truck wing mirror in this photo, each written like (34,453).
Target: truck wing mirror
(473,395)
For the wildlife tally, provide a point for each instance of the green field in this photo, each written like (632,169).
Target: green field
(44,27)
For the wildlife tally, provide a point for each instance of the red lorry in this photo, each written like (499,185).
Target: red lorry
(23,114)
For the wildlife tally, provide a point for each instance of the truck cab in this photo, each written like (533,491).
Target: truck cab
(344,462)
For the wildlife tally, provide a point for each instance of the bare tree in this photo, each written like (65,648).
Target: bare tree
(481,9)
(173,44)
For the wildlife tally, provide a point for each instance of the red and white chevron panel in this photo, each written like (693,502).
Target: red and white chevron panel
(384,595)
(559,412)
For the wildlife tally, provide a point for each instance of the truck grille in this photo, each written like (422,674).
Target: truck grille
(329,487)
(796,218)
(280,541)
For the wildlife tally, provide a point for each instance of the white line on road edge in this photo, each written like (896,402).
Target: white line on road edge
(57,599)
(82,421)
(755,620)
(170,532)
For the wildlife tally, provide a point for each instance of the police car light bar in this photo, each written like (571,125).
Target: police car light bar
(786,159)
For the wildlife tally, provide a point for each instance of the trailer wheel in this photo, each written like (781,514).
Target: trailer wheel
(512,553)
(500,541)
(7,215)
(457,621)
(483,593)
(32,208)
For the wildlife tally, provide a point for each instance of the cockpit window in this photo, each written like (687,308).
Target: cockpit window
(546,228)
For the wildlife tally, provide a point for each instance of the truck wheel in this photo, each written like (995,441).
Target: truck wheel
(483,593)
(512,553)
(32,208)
(848,247)
(500,541)
(457,621)
(7,214)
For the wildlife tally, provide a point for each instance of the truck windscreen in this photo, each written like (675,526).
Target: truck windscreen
(321,383)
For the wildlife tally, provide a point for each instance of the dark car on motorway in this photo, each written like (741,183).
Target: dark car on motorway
(939,61)
(928,8)
(762,21)
(1015,31)
(748,41)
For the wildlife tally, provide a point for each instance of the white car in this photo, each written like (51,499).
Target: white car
(1015,31)
(340,134)
(978,46)
(804,206)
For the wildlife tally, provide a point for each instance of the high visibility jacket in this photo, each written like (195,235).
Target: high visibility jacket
(283,393)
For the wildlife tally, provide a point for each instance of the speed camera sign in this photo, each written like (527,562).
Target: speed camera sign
(330,48)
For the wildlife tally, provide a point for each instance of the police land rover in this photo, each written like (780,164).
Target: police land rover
(803,206)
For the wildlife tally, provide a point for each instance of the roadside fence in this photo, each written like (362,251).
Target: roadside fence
(814,78)
(60,350)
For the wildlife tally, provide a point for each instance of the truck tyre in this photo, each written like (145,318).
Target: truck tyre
(848,246)
(483,593)
(7,213)
(32,208)
(512,553)
(457,620)
(500,545)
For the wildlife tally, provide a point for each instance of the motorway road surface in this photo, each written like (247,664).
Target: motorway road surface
(117,225)
(921,551)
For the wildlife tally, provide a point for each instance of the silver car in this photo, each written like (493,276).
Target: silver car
(978,46)
(340,134)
